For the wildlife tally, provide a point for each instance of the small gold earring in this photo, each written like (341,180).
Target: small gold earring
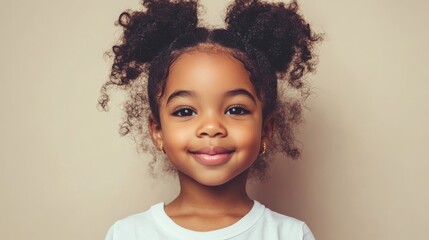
(264,148)
(161,147)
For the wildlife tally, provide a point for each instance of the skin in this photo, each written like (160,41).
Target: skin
(209,110)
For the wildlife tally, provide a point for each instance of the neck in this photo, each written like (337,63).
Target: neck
(230,196)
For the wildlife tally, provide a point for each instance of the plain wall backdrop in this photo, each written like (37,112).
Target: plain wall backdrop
(66,174)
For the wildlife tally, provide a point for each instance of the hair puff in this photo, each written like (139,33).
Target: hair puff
(147,33)
(279,32)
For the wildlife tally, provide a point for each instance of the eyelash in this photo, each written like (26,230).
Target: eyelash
(188,112)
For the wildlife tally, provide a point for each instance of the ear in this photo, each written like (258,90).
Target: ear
(155,131)
(268,128)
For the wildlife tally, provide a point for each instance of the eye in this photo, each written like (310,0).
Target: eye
(236,110)
(184,112)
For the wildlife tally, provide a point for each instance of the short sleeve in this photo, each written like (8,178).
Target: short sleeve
(307,233)
(109,235)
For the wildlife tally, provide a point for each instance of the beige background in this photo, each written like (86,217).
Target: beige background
(66,174)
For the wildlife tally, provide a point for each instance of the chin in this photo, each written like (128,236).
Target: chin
(219,180)
(214,183)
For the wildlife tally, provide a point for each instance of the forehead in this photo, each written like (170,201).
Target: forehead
(208,71)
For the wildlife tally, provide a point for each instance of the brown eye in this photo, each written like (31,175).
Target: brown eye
(184,112)
(236,110)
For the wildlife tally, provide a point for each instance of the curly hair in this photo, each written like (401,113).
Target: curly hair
(272,40)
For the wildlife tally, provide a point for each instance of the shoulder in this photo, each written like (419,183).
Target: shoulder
(132,226)
(285,225)
(133,220)
(281,219)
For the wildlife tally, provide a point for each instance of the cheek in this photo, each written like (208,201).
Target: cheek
(176,135)
(247,137)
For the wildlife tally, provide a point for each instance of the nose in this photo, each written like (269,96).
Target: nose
(211,126)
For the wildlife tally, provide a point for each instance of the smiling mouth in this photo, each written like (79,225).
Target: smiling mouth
(212,156)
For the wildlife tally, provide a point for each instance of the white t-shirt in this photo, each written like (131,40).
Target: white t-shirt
(259,223)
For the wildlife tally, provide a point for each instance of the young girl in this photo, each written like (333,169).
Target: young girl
(208,98)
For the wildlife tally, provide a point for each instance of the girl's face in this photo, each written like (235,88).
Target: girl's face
(211,118)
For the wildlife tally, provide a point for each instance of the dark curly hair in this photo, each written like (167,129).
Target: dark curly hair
(272,40)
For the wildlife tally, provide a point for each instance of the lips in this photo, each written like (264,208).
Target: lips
(212,156)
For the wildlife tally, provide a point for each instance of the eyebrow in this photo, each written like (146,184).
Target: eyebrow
(179,93)
(240,91)
(232,93)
